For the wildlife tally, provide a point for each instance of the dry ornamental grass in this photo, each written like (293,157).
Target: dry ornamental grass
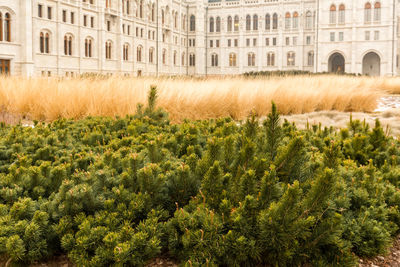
(49,99)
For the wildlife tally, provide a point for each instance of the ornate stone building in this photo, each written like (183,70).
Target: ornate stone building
(196,37)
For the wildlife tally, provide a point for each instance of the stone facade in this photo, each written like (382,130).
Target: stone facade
(193,37)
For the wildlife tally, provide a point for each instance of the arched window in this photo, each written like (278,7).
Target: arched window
(141,9)
(268,22)
(309,24)
(229,24)
(232,60)
(342,14)
(218,25)
(248,23)
(184,22)
(183,59)
(68,45)
(162,16)
(192,23)
(128,7)
(310,58)
(211,24)
(275,21)
(332,14)
(164,56)
(153,12)
(41,42)
(192,60)
(291,58)
(255,22)
(175,60)
(214,60)
(44,43)
(139,53)
(236,23)
(1,27)
(377,12)
(295,20)
(125,52)
(288,19)
(251,59)
(151,55)
(108,50)
(7,27)
(270,59)
(367,13)
(88,47)
(176,20)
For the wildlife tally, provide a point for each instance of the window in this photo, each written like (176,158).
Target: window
(44,42)
(108,3)
(1,27)
(40,11)
(183,59)
(310,58)
(72,17)
(270,59)
(248,23)
(236,42)
(294,40)
(49,9)
(342,14)
(139,53)
(254,41)
(192,60)
(247,42)
(175,56)
(211,24)
(92,23)
(109,26)
(376,35)
(229,42)
(64,15)
(255,22)
(88,47)
(287,41)
(151,55)
(214,60)
(309,20)
(84,20)
(291,60)
(367,13)
(7,27)
(153,12)
(229,29)
(267,41)
(308,40)
(218,25)
(287,21)
(332,14)
(192,23)
(68,45)
(332,36)
(275,21)
(217,43)
(236,24)
(141,9)
(341,37)
(251,59)
(164,56)
(268,22)
(274,41)
(367,35)
(377,12)
(108,50)
(295,20)
(125,52)
(232,60)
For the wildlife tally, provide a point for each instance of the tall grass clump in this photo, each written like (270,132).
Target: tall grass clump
(191,98)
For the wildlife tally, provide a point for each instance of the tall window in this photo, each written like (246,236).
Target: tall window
(192,23)
(211,24)
(7,28)
(1,26)
(268,22)
(236,23)
(183,59)
(192,60)
(310,58)
(184,22)
(175,58)
(288,19)
(218,24)
(248,23)
(251,59)
(151,55)
(232,60)
(342,14)
(367,13)
(295,20)
(332,14)
(153,12)
(377,12)
(291,58)
(141,9)
(270,59)
(108,50)
(214,60)
(229,24)
(139,53)
(255,22)
(126,52)
(164,56)
(88,47)
(309,20)
(162,17)
(275,21)
(68,45)
(44,43)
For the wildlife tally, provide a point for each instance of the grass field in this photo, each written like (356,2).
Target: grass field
(49,99)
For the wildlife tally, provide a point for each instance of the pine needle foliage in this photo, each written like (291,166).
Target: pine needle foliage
(122,191)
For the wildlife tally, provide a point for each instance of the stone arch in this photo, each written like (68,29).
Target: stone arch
(371,64)
(336,63)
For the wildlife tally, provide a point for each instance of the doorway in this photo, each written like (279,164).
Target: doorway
(4,67)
